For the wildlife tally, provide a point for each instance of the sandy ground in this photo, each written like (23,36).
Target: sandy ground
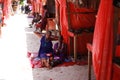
(16,40)
(74,72)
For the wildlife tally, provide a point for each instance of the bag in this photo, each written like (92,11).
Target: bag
(55,62)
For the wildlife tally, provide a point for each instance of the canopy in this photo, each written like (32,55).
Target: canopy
(81,17)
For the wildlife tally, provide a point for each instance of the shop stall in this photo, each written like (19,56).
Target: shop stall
(76,24)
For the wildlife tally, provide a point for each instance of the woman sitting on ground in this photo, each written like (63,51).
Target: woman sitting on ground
(59,52)
(45,50)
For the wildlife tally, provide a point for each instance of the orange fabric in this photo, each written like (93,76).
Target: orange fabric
(37,6)
(103,41)
(2,1)
(116,72)
(61,4)
(76,23)
(85,18)
(6,10)
(33,6)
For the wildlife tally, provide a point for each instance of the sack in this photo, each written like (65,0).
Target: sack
(55,62)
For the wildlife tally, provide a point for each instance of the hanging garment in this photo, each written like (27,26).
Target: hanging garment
(103,41)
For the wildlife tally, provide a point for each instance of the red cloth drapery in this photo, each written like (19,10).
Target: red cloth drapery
(6,9)
(117,51)
(85,18)
(77,21)
(37,6)
(103,41)
(1,0)
(61,4)
(33,6)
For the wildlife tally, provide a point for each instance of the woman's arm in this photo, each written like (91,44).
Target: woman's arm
(38,34)
(54,38)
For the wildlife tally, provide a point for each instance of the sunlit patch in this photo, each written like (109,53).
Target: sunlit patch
(43,31)
(13,50)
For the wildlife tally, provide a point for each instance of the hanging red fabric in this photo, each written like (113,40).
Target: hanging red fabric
(103,41)
(33,6)
(85,19)
(77,21)
(61,4)
(6,9)
(0,0)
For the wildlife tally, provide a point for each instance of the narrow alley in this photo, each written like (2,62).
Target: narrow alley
(83,42)
(16,40)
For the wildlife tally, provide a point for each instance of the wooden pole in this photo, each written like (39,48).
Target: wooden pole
(57,18)
(75,47)
(89,64)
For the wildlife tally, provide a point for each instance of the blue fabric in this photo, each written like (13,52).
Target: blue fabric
(45,47)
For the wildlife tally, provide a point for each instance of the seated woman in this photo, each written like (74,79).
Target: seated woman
(59,52)
(45,50)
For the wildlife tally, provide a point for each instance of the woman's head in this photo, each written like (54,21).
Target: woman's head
(48,34)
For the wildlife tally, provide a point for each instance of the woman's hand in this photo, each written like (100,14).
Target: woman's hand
(49,54)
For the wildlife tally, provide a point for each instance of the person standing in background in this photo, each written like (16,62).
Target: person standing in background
(22,8)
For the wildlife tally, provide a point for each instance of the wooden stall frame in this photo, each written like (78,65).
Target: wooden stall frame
(74,35)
